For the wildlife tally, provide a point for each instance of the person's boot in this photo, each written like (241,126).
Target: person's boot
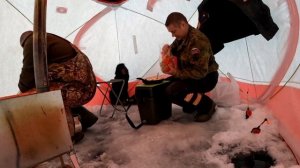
(77,137)
(70,121)
(79,134)
(87,118)
(188,108)
(187,104)
(206,109)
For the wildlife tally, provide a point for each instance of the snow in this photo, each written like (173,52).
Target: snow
(178,142)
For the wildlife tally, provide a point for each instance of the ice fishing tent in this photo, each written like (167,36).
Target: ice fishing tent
(133,33)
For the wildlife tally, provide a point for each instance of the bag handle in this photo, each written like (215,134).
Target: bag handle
(131,122)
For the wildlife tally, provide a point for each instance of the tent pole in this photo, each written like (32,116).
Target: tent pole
(40,47)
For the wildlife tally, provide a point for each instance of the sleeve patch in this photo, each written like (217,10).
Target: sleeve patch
(195,51)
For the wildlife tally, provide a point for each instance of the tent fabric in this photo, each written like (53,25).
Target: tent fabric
(134,32)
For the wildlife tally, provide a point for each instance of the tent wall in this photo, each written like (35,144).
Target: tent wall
(134,35)
(264,67)
(285,107)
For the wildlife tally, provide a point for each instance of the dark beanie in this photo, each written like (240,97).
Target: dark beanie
(24,37)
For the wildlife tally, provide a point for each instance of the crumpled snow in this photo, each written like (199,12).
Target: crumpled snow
(179,142)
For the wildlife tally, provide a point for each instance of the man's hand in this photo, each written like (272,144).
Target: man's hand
(168,65)
(166,49)
(169,70)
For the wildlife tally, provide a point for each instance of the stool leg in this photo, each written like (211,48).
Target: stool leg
(118,98)
(62,163)
(74,160)
(104,97)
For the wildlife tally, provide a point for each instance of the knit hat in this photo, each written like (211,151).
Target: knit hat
(24,37)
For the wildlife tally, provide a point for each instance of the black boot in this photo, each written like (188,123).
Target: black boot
(77,137)
(206,108)
(187,106)
(87,118)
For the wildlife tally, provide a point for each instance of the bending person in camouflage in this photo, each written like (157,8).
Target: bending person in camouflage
(69,70)
(194,71)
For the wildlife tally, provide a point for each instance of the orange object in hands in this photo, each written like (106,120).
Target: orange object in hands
(169,63)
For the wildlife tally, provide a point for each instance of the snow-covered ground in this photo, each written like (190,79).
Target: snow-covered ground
(179,142)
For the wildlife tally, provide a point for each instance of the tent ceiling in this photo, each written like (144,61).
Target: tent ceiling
(134,35)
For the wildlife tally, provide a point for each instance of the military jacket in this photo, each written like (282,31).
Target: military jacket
(194,56)
(58,50)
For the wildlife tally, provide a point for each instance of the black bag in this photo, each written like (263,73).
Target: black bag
(120,73)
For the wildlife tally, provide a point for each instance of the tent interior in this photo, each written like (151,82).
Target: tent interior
(133,32)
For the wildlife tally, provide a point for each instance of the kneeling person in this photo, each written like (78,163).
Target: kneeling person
(194,71)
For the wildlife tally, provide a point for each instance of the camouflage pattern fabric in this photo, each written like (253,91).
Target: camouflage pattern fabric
(76,80)
(195,58)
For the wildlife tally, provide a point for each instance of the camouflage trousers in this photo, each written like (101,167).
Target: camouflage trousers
(76,80)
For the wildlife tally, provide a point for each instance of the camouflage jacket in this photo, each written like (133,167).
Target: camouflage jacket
(58,50)
(194,56)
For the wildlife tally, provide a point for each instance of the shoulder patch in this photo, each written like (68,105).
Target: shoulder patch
(195,51)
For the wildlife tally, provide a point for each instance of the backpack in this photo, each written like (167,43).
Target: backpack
(121,72)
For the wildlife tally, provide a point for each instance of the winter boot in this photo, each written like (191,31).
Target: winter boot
(87,118)
(206,109)
(190,102)
(70,121)
(78,135)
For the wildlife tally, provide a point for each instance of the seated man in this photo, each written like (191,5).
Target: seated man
(192,66)
(68,70)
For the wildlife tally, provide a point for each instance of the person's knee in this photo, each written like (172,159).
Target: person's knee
(169,91)
(174,89)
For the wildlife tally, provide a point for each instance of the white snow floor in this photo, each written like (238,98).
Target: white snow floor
(179,142)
